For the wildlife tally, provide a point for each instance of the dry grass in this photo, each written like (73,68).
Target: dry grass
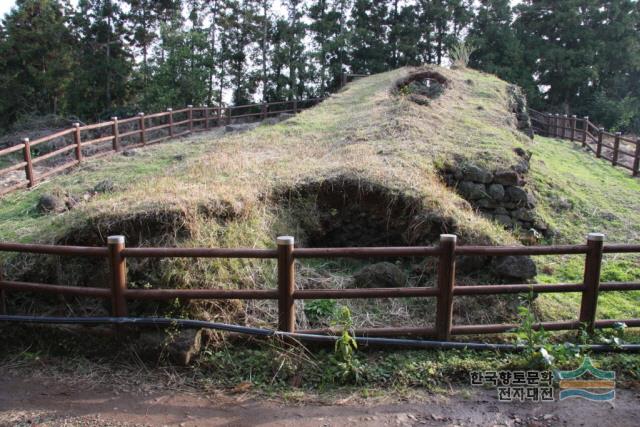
(226,193)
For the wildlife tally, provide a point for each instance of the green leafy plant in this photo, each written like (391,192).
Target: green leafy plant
(347,367)
(461,53)
(317,310)
(535,341)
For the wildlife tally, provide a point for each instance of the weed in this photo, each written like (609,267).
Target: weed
(317,310)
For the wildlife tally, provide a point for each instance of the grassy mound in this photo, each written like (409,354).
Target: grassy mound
(370,144)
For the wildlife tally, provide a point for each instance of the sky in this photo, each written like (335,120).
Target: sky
(5,5)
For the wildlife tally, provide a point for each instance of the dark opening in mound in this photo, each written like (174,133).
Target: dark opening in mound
(348,212)
(422,87)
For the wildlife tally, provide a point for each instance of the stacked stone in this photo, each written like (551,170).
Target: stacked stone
(499,195)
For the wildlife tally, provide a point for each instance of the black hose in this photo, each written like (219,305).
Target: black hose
(201,324)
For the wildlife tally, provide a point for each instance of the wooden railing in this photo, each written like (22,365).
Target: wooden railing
(620,150)
(287,293)
(80,142)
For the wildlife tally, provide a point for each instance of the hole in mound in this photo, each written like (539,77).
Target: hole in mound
(348,212)
(422,87)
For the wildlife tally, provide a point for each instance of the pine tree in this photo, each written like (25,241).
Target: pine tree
(369,30)
(37,61)
(102,81)
(496,47)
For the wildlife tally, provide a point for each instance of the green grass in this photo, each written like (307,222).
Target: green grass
(603,199)
(227,192)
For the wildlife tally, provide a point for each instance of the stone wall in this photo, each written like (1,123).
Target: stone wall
(500,195)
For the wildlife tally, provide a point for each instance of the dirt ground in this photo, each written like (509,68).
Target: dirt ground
(43,402)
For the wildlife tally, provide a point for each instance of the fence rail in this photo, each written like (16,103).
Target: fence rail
(99,139)
(287,293)
(622,151)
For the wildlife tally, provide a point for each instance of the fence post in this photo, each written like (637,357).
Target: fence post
(77,140)
(616,149)
(264,111)
(143,137)
(585,129)
(116,134)
(219,115)
(118,269)
(170,111)
(636,159)
(573,127)
(190,117)
(286,284)
(3,297)
(295,106)
(599,144)
(592,265)
(556,121)
(446,278)
(28,169)
(206,117)
(228,115)
(565,120)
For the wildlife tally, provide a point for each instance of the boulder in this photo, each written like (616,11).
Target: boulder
(514,267)
(506,177)
(468,263)
(477,174)
(48,203)
(472,190)
(486,203)
(504,220)
(496,191)
(517,194)
(380,275)
(181,346)
(523,214)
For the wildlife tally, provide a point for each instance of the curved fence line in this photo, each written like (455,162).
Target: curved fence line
(69,147)
(620,150)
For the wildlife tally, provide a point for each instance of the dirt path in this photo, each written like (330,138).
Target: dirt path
(27,402)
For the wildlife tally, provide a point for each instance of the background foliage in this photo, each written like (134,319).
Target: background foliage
(105,57)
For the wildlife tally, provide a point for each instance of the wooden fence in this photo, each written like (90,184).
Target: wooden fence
(80,142)
(287,293)
(620,150)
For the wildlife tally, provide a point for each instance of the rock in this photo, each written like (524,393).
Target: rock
(471,190)
(531,201)
(181,346)
(486,203)
(517,194)
(105,186)
(380,275)
(129,153)
(506,177)
(523,214)
(179,157)
(496,191)
(501,211)
(477,174)
(514,267)
(49,203)
(503,219)
(468,263)
(522,153)
(522,166)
